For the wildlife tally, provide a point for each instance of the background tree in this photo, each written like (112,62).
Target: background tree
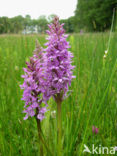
(18,23)
(42,24)
(94,15)
(4,25)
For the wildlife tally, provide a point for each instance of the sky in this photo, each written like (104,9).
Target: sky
(36,8)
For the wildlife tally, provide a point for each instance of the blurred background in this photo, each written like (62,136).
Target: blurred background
(26,17)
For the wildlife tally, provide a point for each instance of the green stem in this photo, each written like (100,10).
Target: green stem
(59,127)
(40,137)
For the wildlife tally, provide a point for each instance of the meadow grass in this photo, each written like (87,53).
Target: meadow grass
(92,98)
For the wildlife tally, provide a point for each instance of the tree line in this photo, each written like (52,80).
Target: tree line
(90,15)
(20,24)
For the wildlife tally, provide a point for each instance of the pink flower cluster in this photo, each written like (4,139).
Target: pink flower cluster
(59,59)
(48,73)
(33,85)
(95,130)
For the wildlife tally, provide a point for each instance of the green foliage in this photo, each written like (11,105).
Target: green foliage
(94,15)
(92,99)
(19,24)
(4,24)
(11,25)
(42,24)
(69,24)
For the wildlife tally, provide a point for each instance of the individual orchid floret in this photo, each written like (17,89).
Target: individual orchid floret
(33,85)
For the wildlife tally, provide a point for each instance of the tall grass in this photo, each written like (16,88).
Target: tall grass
(92,98)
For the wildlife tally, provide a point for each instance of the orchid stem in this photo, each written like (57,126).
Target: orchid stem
(59,128)
(40,137)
